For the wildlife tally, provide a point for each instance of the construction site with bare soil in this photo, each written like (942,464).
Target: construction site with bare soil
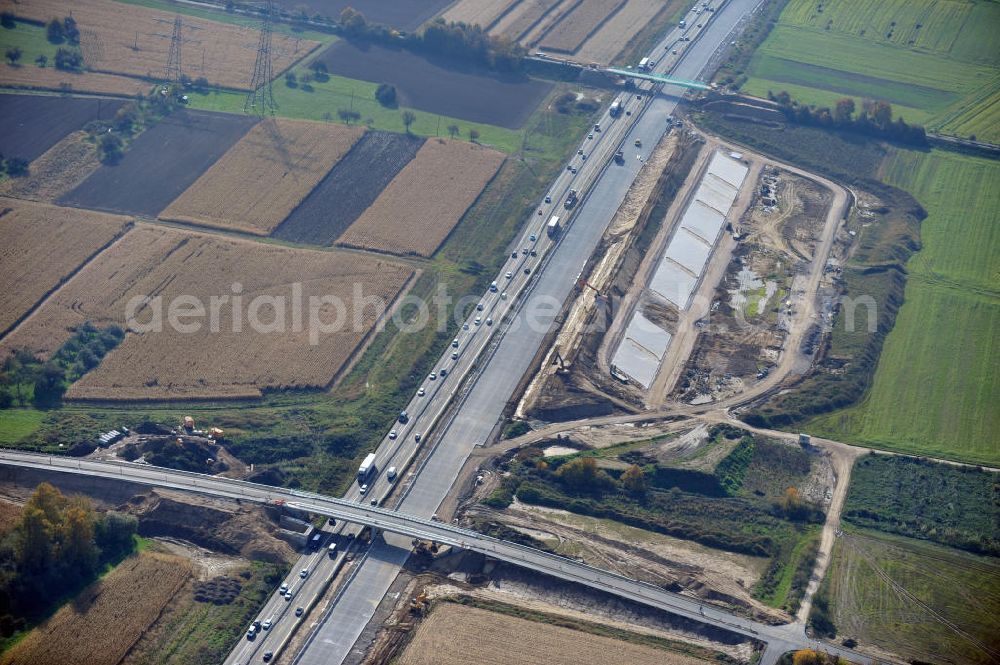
(701,288)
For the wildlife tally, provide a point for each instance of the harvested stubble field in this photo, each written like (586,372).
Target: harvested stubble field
(455,635)
(400,14)
(350,187)
(265,176)
(126,39)
(50,78)
(63,167)
(31,124)
(263,344)
(421,206)
(106,619)
(42,246)
(569,34)
(483,13)
(525,16)
(160,163)
(614,35)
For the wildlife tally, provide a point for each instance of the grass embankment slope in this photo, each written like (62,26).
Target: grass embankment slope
(936,62)
(937,385)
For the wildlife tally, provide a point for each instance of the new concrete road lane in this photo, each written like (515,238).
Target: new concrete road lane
(401,523)
(334,639)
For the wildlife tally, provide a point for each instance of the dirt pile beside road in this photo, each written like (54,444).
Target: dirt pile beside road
(218,526)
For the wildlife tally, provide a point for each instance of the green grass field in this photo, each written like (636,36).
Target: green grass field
(328,97)
(917,600)
(937,385)
(16,424)
(935,62)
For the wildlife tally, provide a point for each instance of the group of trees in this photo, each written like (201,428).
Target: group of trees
(58,546)
(454,40)
(15,167)
(874,119)
(64,31)
(27,380)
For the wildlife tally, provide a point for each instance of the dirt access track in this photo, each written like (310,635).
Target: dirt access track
(259,340)
(160,163)
(121,38)
(439,86)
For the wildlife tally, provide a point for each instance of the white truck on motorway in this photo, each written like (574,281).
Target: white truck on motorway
(367,468)
(553,228)
(616,108)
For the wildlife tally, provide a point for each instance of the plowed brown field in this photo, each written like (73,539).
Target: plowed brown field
(269,348)
(570,33)
(109,31)
(42,246)
(262,178)
(455,635)
(50,78)
(422,204)
(106,619)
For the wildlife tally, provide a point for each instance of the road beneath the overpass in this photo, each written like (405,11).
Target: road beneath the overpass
(778,638)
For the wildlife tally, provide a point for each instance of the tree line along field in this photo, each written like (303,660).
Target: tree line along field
(120,38)
(936,387)
(234,361)
(936,62)
(43,246)
(455,634)
(422,204)
(264,176)
(107,618)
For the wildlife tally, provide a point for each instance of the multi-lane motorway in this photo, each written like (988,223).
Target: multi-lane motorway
(603,187)
(459,408)
(779,637)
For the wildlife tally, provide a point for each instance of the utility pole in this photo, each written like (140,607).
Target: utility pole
(260,99)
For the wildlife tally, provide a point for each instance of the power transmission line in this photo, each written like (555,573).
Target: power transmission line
(260,99)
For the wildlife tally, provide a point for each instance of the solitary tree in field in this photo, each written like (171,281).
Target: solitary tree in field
(42,60)
(408,118)
(473,134)
(13,54)
(348,115)
(452,131)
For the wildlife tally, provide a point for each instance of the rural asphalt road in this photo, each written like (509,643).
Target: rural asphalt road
(779,638)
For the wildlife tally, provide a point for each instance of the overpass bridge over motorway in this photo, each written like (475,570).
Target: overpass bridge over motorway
(777,638)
